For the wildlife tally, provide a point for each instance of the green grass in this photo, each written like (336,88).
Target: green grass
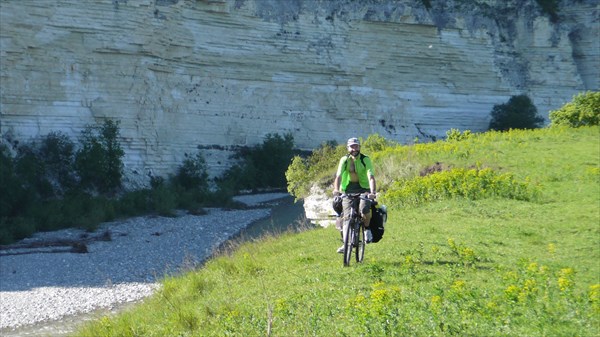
(454,267)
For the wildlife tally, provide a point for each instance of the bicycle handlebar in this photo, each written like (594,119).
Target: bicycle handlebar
(358,195)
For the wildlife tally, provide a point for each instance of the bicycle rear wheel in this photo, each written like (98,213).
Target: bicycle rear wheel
(360,243)
(348,240)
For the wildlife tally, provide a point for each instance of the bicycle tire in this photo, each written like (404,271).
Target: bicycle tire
(360,243)
(348,241)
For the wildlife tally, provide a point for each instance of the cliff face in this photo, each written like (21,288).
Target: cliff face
(209,75)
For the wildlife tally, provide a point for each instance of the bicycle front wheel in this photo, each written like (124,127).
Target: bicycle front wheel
(348,242)
(360,243)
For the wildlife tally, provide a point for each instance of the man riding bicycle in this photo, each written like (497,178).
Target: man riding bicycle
(355,175)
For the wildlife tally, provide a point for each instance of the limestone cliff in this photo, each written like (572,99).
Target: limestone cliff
(209,75)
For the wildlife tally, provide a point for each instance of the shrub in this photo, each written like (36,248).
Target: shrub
(31,172)
(324,160)
(39,185)
(470,184)
(272,159)
(14,195)
(82,210)
(40,189)
(318,167)
(134,202)
(262,166)
(454,135)
(16,228)
(298,182)
(375,143)
(231,180)
(6,231)
(192,174)
(583,110)
(44,169)
(518,113)
(57,152)
(98,162)
(163,200)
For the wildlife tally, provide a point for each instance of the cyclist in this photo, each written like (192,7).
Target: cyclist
(354,175)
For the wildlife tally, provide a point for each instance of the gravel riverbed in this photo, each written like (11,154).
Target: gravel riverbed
(124,262)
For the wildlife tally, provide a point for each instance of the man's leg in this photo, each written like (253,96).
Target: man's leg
(365,209)
(347,204)
(367,219)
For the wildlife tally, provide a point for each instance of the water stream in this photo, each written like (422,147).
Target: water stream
(285,214)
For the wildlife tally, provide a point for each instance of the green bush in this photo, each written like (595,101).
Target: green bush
(454,135)
(134,203)
(57,152)
(298,182)
(82,210)
(261,166)
(318,167)
(192,174)
(163,200)
(49,185)
(14,195)
(583,110)
(98,162)
(31,171)
(272,159)
(40,187)
(459,183)
(375,143)
(518,113)
(15,228)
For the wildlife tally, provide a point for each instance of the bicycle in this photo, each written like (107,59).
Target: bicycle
(355,230)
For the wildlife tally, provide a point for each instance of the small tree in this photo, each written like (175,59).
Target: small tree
(518,113)
(272,158)
(98,162)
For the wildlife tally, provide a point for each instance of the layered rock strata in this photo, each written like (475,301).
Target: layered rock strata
(184,76)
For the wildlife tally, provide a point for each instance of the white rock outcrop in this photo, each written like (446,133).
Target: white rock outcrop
(318,207)
(184,76)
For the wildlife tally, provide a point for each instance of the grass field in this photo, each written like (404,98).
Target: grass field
(449,265)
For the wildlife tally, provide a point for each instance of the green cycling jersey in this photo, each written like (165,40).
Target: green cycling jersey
(364,170)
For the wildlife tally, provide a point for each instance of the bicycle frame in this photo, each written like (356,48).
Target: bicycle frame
(354,231)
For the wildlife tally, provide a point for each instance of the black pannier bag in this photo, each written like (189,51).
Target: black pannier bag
(377,224)
(337,205)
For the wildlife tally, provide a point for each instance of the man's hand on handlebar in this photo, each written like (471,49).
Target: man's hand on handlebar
(371,196)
